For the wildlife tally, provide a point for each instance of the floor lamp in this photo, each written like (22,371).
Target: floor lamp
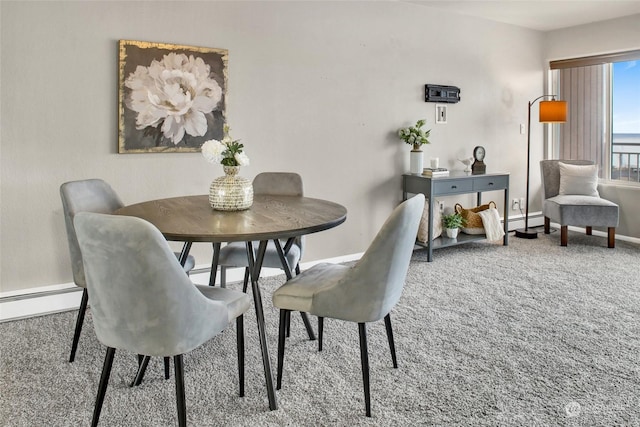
(550,112)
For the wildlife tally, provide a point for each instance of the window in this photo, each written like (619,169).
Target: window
(603,123)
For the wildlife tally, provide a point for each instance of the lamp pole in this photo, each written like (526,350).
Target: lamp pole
(525,233)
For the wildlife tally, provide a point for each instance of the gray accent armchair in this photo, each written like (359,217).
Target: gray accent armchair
(366,292)
(576,210)
(143,302)
(90,195)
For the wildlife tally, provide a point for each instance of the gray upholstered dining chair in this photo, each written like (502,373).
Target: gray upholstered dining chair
(366,292)
(90,195)
(234,254)
(143,302)
(570,197)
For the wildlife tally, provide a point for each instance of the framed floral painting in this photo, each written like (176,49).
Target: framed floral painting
(171,98)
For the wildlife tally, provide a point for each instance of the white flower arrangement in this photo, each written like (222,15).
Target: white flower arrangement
(228,152)
(173,96)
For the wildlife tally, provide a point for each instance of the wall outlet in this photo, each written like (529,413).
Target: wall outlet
(441,207)
(515,204)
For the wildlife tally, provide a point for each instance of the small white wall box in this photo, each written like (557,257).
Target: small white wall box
(441,114)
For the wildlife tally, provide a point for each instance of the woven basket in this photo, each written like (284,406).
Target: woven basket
(473,221)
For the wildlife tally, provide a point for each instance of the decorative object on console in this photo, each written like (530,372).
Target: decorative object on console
(478,167)
(473,221)
(550,112)
(171,98)
(416,137)
(435,172)
(439,93)
(466,163)
(452,224)
(230,192)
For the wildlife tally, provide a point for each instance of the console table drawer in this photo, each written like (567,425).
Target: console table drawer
(452,187)
(489,183)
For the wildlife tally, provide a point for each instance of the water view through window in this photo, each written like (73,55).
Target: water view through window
(625,121)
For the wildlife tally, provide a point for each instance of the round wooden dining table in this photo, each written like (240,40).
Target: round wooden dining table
(191,219)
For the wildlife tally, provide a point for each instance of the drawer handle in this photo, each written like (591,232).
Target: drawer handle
(491,183)
(454,186)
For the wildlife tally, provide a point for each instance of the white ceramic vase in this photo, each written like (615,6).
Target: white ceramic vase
(231,192)
(416,160)
(452,233)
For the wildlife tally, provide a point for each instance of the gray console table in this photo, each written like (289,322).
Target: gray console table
(455,183)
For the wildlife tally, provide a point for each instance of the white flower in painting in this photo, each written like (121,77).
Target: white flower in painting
(175,93)
(212,150)
(242,159)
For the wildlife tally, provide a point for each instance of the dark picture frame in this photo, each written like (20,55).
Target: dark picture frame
(171,98)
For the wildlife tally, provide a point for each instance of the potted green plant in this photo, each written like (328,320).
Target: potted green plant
(452,223)
(416,137)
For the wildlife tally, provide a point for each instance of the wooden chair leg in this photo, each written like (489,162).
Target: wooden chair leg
(240,341)
(281,340)
(79,322)
(611,234)
(564,235)
(547,225)
(364,359)
(104,381)
(320,332)
(392,346)
(588,230)
(180,395)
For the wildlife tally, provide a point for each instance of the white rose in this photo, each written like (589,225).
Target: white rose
(242,159)
(212,150)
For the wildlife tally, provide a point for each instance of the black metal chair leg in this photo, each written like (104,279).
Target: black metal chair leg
(245,283)
(79,322)
(320,332)
(364,359)
(180,395)
(167,373)
(223,276)
(288,327)
(214,264)
(143,361)
(104,381)
(284,314)
(307,325)
(392,346)
(240,340)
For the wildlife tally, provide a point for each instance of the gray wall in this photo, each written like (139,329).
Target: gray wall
(314,87)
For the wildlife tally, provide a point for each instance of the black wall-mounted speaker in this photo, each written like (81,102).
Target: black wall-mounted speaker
(439,93)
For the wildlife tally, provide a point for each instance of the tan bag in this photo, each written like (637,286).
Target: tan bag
(473,221)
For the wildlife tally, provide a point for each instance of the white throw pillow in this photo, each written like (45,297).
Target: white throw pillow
(423,230)
(578,180)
